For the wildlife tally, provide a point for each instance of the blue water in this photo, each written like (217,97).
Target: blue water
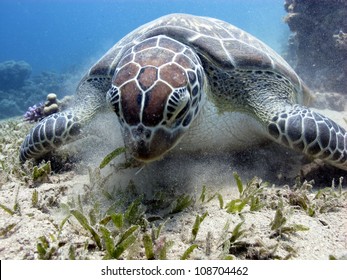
(60,35)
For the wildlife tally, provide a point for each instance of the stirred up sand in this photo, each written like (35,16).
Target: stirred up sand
(178,203)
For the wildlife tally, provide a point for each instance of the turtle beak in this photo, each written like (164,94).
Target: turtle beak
(136,142)
(147,145)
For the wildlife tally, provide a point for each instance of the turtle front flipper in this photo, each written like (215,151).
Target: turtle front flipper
(49,134)
(304,130)
(64,127)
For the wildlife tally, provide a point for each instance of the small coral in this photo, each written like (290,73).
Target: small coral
(51,109)
(42,110)
(51,98)
(34,113)
(51,105)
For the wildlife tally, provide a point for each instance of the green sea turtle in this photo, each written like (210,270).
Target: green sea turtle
(189,83)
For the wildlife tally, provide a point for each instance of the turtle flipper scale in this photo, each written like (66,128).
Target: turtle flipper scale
(49,134)
(309,132)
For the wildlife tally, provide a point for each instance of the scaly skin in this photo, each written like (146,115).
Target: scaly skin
(311,133)
(49,134)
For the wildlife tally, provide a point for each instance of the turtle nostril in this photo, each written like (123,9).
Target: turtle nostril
(148,134)
(140,128)
(140,133)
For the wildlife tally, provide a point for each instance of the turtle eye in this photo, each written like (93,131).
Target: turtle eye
(177,104)
(112,97)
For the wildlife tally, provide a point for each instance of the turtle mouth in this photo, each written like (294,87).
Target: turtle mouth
(147,145)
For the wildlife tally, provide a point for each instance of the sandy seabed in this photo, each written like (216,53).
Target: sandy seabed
(34,214)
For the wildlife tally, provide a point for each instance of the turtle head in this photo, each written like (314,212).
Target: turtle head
(156,92)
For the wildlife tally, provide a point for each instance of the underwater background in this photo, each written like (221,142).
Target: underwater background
(47,45)
(60,34)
